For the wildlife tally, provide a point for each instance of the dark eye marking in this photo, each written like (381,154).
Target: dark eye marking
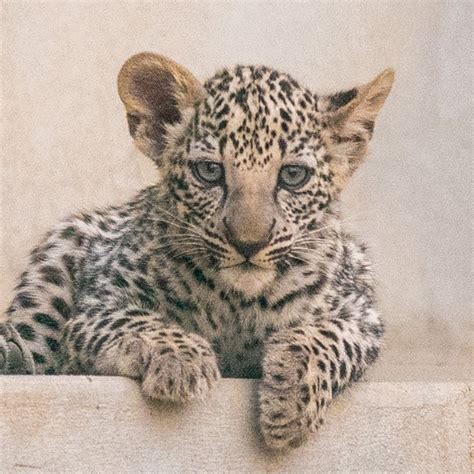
(293,176)
(208,172)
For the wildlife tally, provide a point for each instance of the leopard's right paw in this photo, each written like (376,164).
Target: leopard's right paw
(15,358)
(179,367)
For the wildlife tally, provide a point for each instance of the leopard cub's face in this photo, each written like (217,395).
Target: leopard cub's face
(253,177)
(251,161)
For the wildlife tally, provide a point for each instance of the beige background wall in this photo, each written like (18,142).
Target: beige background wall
(65,144)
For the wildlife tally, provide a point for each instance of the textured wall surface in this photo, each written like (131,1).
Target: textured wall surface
(65,144)
(92,424)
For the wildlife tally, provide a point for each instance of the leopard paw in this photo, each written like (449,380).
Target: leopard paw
(179,367)
(292,397)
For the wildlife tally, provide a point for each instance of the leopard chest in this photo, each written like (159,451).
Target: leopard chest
(236,334)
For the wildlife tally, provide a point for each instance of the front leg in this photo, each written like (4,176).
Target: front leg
(170,363)
(305,368)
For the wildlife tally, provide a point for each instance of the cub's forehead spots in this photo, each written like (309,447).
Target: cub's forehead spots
(256,115)
(304,153)
(203,147)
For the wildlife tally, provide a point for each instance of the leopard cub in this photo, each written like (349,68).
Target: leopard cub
(235,263)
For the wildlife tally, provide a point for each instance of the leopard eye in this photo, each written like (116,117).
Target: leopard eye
(293,176)
(208,172)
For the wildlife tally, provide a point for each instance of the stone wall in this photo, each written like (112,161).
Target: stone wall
(103,424)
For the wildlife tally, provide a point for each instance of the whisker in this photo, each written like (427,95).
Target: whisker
(192,253)
(303,249)
(173,216)
(298,257)
(174,236)
(187,224)
(181,227)
(308,241)
(193,243)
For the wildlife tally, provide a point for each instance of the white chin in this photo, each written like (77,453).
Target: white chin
(248,281)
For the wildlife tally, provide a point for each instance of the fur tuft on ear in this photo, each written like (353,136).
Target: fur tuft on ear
(348,123)
(155,91)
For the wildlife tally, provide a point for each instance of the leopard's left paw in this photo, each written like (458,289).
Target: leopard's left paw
(292,399)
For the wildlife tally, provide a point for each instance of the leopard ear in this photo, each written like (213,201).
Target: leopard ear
(155,91)
(348,123)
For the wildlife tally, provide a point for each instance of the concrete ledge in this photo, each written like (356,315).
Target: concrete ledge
(103,424)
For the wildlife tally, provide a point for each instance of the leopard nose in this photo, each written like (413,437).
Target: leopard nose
(247,249)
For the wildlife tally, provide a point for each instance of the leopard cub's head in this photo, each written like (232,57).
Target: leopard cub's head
(252,162)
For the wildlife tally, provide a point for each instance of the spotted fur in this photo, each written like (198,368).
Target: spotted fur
(243,277)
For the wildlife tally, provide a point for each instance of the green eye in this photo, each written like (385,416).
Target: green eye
(208,172)
(293,176)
